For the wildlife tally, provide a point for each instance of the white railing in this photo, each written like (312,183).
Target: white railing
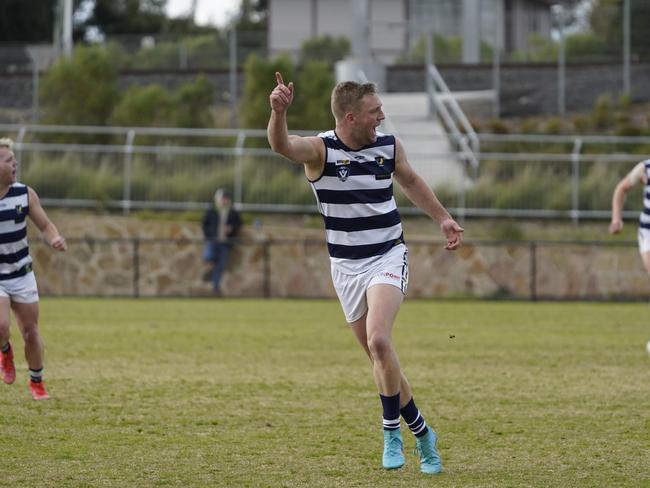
(251,172)
(443,103)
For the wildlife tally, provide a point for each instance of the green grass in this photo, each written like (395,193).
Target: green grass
(253,393)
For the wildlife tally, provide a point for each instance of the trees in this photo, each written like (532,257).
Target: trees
(260,80)
(80,90)
(132,17)
(606,20)
(128,16)
(83,90)
(313,85)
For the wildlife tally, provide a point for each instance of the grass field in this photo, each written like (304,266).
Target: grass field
(253,393)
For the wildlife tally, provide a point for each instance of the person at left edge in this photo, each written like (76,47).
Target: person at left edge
(18,289)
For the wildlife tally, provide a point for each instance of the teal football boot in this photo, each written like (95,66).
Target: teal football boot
(430,462)
(393,457)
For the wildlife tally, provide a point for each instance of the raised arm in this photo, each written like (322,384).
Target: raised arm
(304,150)
(423,197)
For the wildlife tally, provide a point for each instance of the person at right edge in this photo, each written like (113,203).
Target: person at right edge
(351,171)
(640,174)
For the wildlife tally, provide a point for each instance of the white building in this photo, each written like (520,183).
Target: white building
(395,25)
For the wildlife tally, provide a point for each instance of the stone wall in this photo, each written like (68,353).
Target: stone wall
(117,256)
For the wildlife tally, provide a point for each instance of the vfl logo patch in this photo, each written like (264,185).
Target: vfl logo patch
(343,169)
(20,217)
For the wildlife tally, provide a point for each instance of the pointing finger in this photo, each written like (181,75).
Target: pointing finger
(278,78)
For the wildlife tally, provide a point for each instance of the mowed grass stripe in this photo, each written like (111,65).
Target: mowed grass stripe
(276,393)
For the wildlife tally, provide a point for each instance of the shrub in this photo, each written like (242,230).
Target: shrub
(81,90)
(581,124)
(260,81)
(553,125)
(316,82)
(313,86)
(603,112)
(166,54)
(584,47)
(191,104)
(143,106)
(325,48)
(498,126)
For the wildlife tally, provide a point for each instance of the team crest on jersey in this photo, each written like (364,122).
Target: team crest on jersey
(343,169)
(19,209)
(379,160)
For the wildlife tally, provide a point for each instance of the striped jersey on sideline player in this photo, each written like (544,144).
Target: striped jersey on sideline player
(15,260)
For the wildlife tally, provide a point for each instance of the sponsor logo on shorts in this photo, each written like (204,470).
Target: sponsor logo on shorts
(388,274)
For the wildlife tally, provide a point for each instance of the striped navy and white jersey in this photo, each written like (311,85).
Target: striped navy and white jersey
(15,260)
(355,198)
(644,219)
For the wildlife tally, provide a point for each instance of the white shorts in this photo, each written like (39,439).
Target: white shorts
(644,240)
(391,269)
(22,289)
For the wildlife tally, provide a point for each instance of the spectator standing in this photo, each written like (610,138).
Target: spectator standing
(221,225)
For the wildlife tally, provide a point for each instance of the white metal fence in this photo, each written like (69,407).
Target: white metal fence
(529,176)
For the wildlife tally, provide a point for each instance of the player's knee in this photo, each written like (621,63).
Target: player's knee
(31,335)
(379,345)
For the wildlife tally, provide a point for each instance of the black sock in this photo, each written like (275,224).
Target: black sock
(391,411)
(414,419)
(6,348)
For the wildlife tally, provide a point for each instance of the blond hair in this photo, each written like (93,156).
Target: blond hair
(347,95)
(6,142)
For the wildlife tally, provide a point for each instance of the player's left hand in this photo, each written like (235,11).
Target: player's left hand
(59,243)
(453,232)
(615,226)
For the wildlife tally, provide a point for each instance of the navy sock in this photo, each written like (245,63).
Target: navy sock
(391,411)
(6,348)
(36,375)
(414,419)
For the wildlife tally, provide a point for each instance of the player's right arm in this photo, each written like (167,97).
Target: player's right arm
(305,150)
(618,198)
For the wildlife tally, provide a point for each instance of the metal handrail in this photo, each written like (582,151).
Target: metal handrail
(453,116)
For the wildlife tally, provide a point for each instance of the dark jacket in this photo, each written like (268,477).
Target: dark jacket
(211,223)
